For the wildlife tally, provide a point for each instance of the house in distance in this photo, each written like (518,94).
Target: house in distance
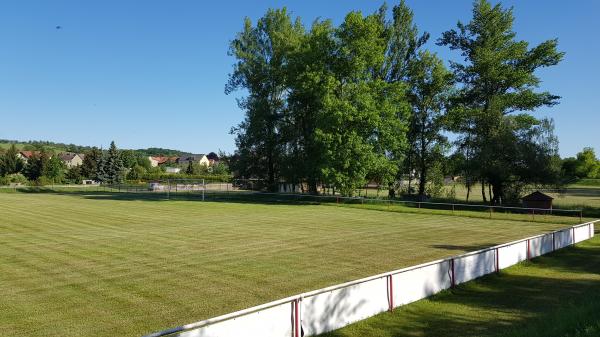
(201,159)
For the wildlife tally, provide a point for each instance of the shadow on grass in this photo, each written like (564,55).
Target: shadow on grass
(554,295)
(244,197)
(464,248)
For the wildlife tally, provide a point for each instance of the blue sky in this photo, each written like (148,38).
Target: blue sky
(152,73)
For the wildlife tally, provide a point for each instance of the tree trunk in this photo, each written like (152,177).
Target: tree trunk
(271,173)
(498,190)
(422,180)
(312,186)
(468,191)
(483,190)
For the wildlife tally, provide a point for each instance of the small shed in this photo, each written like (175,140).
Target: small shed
(537,199)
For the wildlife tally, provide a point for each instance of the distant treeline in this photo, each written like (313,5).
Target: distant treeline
(38,145)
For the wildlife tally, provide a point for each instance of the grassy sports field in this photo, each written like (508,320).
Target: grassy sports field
(98,264)
(550,296)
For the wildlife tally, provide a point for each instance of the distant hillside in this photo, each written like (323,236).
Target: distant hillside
(62,147)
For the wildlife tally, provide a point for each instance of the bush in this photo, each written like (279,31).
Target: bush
(42,181)
(16,178)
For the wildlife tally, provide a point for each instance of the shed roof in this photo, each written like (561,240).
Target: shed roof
(537,196)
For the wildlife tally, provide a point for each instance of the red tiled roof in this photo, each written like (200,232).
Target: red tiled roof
(162,160)
(29,154)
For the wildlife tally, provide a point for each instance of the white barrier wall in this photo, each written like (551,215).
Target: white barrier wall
(276,321)
(540,245)
(512,254)
(334,309)
(563,238)
(337,306)
(581,233)
(420,282)
(469,267)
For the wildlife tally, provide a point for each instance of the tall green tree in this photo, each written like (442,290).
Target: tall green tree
(10,162)
(403,42)
(497,80)
(190,168)
(584,165)
(54,169)
(262,53)
(113,165)
(364,117)
(308,72)
(36,165)
(91,160)
(430,85)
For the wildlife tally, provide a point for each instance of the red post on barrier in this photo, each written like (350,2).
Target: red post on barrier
(391,285)
(528,251)
(297,327)
(452,279)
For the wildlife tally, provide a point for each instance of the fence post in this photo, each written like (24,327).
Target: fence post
(528,251)
(533,214)
(490,212)
(391,283)
(452,279)
(297,327)
(573,236)
(497,262)
(553,242)
(452,208)
(580,215)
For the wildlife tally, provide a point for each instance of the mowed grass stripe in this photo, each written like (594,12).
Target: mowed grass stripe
(107,267)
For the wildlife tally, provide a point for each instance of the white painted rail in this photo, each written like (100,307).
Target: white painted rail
(334,307)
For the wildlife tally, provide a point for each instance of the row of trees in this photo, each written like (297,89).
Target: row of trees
(584,165)
(47,167)
(111,166)
(365,101)
(43,167)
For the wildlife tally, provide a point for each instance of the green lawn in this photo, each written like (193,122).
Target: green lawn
(80,264)
(583,195)
(554,295)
